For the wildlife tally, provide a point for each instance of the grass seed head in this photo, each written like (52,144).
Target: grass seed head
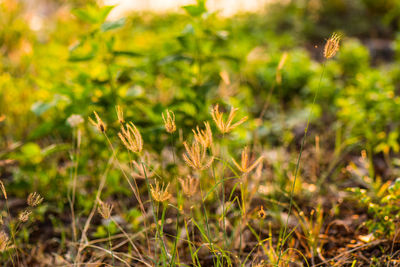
(141,171)
(24,216)
(3,241)
(226,126)
(131,137)
(101,126)
(189,185)
(169,121)
(160,193)
(204,137)
(34,199)
(331,46)
(196,156)
(3,189)
(261,213)
(120,114)
(244,165)
(105,209)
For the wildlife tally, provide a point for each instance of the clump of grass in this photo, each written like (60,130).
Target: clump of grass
(200,159)
(33,200)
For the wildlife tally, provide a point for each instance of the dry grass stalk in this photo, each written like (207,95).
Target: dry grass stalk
(160,193)
(24,216)
(189,185)
(101,126)
(204,137)
(244,165)
(196,156)
(226,126)
(169,121)
(131,137)
(3,189)
(34,199)
(105,209)
(120,114)
(331,46)
(3,241)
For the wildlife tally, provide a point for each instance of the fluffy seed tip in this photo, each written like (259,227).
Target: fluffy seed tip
(331,46)
(101,126)
(34,199)
(24,216)
(105,209)
(169,121)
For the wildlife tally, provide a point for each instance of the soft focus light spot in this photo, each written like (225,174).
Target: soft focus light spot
(224,7)
(36,23)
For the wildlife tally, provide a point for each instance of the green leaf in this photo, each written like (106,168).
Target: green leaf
(40,107)
(176,57)
(83,51)
(104,11)
(196,10)
(111,25)
(85,15)
(51,149)
(93,14)
(127,53)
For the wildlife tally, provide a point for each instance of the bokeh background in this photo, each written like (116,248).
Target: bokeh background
(59,58)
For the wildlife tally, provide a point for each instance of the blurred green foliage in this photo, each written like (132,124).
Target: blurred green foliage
(381,200)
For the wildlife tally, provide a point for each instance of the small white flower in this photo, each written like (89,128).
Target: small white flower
(74,120)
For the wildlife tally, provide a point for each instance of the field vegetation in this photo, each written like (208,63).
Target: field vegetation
(192,139)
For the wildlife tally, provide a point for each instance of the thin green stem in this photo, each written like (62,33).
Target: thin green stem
(206,219)
(12,234)
(223,196)
(189,242)
(135,189)
(222,202)
(298,163)
(74,178)
(110,244)
(161,232)
(172,262)
(152,203)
